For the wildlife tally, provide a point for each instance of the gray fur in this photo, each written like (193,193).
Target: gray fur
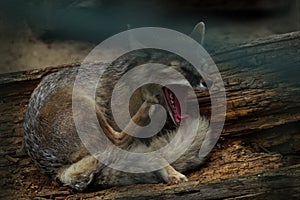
(52,142)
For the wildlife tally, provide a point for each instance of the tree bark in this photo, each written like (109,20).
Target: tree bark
(261,133)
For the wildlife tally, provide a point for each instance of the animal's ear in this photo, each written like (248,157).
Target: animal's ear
(198,32)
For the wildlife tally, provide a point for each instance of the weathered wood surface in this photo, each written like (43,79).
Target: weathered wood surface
(268,185)
(262,130)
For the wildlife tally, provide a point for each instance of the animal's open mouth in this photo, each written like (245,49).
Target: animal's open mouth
(176,110)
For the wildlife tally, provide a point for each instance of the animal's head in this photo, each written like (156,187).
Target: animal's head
(174,94)
(173,102)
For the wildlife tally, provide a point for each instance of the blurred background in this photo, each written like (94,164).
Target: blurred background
(41,33)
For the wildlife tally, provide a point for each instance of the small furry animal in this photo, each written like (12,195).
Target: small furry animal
(52,141)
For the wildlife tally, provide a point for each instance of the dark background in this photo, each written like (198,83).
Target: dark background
(39,33)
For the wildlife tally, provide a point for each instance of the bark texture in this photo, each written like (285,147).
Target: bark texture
(256,157)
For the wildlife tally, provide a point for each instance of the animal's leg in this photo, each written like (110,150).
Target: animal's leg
(122,138)
(191,158)
(171,176)
(87,105)
(80,174)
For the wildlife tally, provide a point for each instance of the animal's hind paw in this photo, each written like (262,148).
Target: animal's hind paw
(79,175)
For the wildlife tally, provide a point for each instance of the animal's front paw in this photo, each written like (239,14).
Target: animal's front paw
(176,177)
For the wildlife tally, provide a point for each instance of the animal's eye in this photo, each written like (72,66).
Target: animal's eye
(207,83)
(204,84)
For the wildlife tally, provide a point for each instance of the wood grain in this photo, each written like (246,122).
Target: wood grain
(261,134)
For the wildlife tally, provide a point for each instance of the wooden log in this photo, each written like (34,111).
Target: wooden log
(261,133)
(263,91)
(275,184)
